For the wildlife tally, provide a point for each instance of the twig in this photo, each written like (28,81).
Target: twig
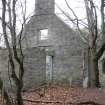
(40,101)
(84,103)
(61,102)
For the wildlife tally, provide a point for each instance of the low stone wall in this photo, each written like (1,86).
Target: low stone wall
(34,64)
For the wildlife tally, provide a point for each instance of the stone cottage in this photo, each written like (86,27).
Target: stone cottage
(63,46)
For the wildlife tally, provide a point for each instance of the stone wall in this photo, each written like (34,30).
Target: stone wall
(34,64)
(62,40)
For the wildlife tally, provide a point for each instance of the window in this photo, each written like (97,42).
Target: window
(43,34)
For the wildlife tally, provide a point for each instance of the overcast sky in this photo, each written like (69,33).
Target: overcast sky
(76,5)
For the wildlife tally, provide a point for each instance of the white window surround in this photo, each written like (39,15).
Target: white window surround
(43,34)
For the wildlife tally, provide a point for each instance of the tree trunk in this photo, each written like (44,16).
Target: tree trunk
(93,69)
(103,65)
(19,96)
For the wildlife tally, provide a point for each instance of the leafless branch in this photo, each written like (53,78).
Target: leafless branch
(85,40)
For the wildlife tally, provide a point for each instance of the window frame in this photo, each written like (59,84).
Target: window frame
(43,37)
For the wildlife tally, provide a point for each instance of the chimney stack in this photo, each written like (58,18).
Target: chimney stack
(44,7)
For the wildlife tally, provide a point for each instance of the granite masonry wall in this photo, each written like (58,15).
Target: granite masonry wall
(34,64)
(65,43)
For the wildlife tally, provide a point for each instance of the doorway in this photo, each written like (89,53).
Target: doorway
(49,68)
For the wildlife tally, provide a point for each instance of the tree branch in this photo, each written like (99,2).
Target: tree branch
(100,52)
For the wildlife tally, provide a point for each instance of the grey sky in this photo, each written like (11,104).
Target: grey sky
(76,5)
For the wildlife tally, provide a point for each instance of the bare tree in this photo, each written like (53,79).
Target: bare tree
(92,46)
(94,53)
(15,53)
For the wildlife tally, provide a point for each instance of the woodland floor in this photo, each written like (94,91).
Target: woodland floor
(59,95)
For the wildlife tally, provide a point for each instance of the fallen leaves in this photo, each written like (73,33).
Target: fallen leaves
(58,95)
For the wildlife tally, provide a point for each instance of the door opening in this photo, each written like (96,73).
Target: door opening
(49,68)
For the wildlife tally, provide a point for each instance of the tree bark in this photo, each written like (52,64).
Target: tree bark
(19,96)
(93,69)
